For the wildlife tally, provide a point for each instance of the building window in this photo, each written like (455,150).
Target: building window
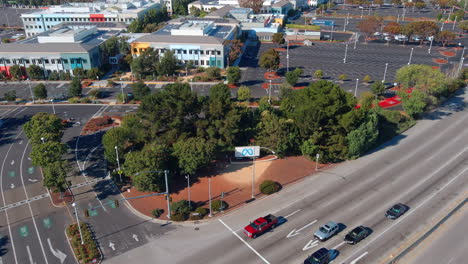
(65,61)
(185,51)
(208,63)
(218,52)
(202,62)
(201,52)
(196,63)
(135,50)
(8,61)
(46,61)
(190,51)
(27,61)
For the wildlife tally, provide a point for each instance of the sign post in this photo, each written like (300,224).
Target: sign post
(316,161)
(252,152)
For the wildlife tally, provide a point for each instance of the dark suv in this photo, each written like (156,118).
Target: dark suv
(356,235)
(396,211)
(321,256)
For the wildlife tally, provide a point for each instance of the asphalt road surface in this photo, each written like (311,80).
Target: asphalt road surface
(424,168)
(32,230)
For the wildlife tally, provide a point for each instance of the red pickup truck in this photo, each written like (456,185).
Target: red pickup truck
(260,225)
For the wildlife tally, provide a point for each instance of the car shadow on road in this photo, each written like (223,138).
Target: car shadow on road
(3,242)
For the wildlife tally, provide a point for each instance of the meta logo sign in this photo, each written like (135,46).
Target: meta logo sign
(250,151)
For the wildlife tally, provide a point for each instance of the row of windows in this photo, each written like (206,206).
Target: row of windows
(82,19)
(181,51)
(204,62)
(42,61)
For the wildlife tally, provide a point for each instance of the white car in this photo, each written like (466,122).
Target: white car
(377,34)
(388,38)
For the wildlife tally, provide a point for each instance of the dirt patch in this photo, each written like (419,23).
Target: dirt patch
(60,199)
(99,123)
(447,53)
(440,61)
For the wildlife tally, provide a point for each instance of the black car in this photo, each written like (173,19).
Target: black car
(396,211)
(356,235)
(321,256)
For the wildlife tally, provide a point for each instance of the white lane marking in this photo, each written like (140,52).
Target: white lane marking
(295,232)
(12,162)
(293,213)
(358,258)
(29,204)
(310,244)
(1,260)
(32,180)
(413,210)
(339,245)
(29,255)
(21,142)
(12,186)
(247,244)
(135,237)
(112,245)
(57,253)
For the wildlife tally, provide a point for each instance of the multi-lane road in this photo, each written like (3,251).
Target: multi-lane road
(425,168)
(31,228)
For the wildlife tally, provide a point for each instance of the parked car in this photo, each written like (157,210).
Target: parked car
(326,231)
(356,235)
(416,38)
(321,256)
(260,225)
(388,38)
(396,211)
(377,34)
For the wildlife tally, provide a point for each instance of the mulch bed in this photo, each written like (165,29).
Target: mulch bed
(440,61)
(447,53)
(267,85)
(61,200)
(233,86)
(271,75)
(299,87)
(435,67)
(99,123)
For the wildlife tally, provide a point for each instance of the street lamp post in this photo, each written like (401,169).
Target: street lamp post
(345,54)
(317,156)
(355,40)
(269,93)
(253,177)
(355,89)
(118,162)
(331,34)
(411,56)
(121,89)
(454,22)
(385,73)
(53,107)
(78,223)
(30,90)
(209,194)
(188,189)
(42,139)
(287,55)
(430,46)
(398,18)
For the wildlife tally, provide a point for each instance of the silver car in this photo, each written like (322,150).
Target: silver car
(326,231)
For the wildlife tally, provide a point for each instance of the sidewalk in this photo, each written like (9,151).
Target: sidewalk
(235,180)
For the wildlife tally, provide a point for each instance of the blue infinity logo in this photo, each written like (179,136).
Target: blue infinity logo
(247,152)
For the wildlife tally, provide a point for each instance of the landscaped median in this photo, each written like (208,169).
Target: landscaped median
(88,252)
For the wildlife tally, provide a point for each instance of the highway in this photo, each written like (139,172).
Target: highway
(424,168)
(33,230)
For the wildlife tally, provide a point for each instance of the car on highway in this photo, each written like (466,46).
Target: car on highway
(396,211)
(261,225)
(356,235)
(326,231)
(321,256)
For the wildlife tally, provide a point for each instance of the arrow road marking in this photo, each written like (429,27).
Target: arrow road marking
(360,257)
(310,245)
(135,237)
(296,232)
(57,253)
(12,162)
(12,186)
(32,180)
(29,255)
(293,213)
(111,245)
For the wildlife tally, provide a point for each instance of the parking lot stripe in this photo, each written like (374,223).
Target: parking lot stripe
(247,244)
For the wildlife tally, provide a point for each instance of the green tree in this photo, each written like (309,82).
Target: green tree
(318,74)
(168,64)
(146,64)
(79,73)
(43,127)
(195,11)
(142,166)
(278,38)
(378,88)
(233,75)
(193,153)
(140,90)
(422,77)
(16,72)
(94,74)
(293,76)
(115,137)
(10,96)
(35,72)
(243,93)
(270,60)
(213,73)
(55,176)
(364,137)
(445,37)
(46,153)
(180,7)
(75,89)
(40,91)
(415,104)
(463,25)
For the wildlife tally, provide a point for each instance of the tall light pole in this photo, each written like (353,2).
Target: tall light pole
(411,56)
(167,189)
(454,22)
(121,89)
(118,162)
(253,177)
(53,107)
(188,189)
(30,90)
(287,55)
(362,11)
(460,66)
(398,18)
(209,194)
(78,223)
(385,73)
(356,39)
(331,34)
(43,140)
(269,93)
(317,156)
(345,53)
(355,89)
(430,46)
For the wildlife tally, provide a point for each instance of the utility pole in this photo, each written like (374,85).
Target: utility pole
(411,56)
(32,95)
(385,73)
(78,223)
(454,22)
(287,55)
(168,197)
(345,54)
(188,189)
(355,89)
(118,162)
(430,46)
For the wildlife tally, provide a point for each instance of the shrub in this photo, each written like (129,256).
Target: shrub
(318,74)
(216,205)
(156,213)
(342,77)
(195,217)
(202,211)
(367,79)
(181,207)
(95,93)
(214,73)
(200,69)
(74,100)
(269,187)
(179,217)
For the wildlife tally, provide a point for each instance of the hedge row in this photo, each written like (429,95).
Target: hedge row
(88,251)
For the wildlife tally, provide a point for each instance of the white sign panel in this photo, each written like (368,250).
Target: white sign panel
(250,151)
